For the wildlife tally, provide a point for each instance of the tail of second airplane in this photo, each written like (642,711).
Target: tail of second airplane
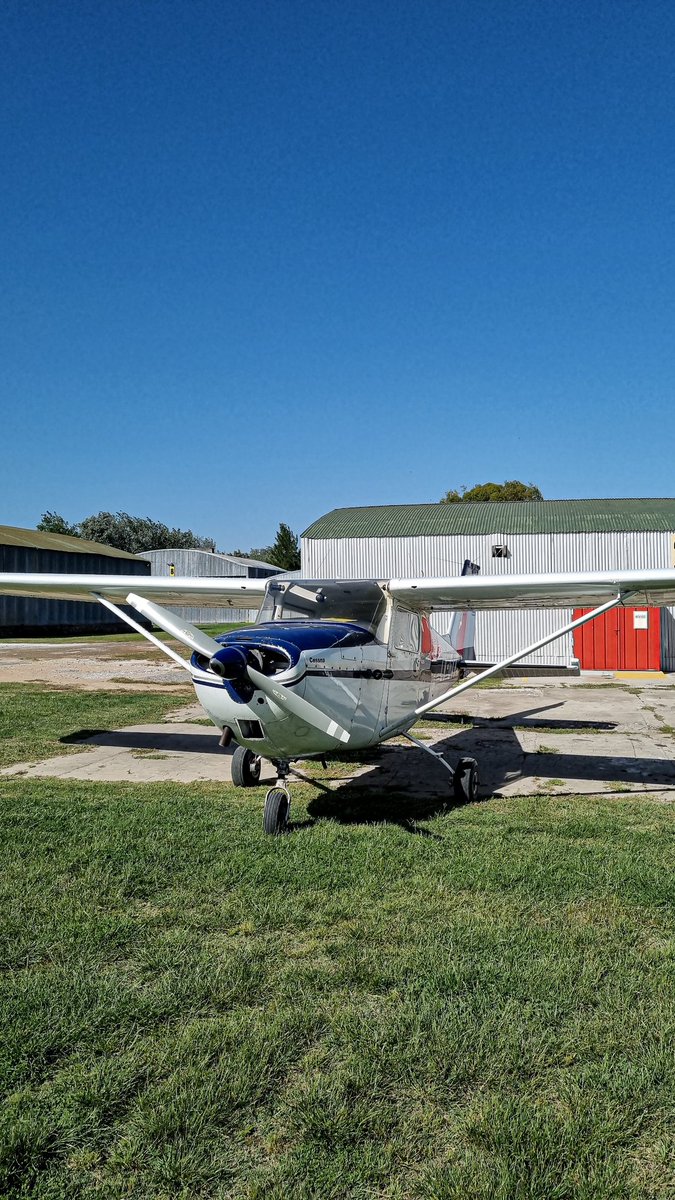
(462,632)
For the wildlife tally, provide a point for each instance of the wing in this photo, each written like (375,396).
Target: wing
(219,592)
(574,590)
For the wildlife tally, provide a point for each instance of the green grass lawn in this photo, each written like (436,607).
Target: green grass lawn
(117,638)
(476,1004)
(34,718)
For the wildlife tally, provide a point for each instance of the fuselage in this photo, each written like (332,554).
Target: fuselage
(368,673)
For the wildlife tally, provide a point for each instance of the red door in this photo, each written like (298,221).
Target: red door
(623,639)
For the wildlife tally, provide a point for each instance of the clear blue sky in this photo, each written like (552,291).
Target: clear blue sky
(261,260)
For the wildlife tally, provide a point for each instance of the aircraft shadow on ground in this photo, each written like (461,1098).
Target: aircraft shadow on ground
(405,786)
(402,785)
(130,739)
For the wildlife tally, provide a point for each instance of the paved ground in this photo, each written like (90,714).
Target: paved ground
(593,734)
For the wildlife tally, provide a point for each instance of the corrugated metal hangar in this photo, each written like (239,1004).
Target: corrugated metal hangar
(30,550)
(514,538)
(210,563)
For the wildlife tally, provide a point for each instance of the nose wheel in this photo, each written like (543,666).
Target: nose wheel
(275,814)
(277,803)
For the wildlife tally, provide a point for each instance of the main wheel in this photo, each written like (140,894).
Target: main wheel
(275,816)
(245,767)
(465,780)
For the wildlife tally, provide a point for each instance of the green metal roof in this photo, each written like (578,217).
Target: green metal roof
(467,517)
(34,539)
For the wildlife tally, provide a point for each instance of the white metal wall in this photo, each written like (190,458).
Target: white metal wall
(497,633)
(203,562)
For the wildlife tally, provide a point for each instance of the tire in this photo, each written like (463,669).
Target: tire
(245,767)
(275,816)
(465,780)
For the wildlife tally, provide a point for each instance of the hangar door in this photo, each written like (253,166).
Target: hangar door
(623,639)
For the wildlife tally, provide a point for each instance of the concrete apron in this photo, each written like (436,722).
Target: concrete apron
(549,738)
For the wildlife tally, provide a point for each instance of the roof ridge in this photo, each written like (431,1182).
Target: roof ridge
(544,500)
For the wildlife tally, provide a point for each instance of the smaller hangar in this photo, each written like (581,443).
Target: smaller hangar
(31,550)
(209,563)
(523,537)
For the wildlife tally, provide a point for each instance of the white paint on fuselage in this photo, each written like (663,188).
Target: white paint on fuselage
(364,688)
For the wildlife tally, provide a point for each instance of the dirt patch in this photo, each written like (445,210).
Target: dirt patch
(127,667)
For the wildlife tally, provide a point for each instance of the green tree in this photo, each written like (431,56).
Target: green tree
(262,553)
(52,522)
(285,552)
(512,489)
(124,532)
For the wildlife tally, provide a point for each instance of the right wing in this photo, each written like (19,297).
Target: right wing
(579,589)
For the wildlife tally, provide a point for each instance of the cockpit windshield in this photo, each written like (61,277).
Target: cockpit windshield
(359,601)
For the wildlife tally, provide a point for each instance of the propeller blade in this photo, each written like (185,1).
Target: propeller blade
(186,633)
(296,706)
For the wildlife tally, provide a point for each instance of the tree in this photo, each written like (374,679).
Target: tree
(285,552)
(52,522)
(136,534)
(512,489)
(124,532)
(262,553)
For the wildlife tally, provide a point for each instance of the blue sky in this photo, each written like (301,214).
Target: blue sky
(263,260)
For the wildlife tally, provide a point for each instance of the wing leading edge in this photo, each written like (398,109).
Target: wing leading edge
(572,590)
(577,589)
(219,592)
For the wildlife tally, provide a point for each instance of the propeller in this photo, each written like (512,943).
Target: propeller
(233,662)
(186,633)
(297,707)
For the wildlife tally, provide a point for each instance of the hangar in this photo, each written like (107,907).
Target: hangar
(514,537)
(31,550)
(209,563)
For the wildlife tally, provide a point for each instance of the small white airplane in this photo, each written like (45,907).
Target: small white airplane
(332,664)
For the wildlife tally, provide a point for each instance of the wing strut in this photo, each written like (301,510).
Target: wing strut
(183,662)
(506,662)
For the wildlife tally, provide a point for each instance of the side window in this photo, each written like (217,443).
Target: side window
(406,632)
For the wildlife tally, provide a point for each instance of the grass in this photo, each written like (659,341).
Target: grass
(34,719)
(116,638)
(392,1002)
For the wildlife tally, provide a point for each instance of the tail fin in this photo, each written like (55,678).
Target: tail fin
(463,627)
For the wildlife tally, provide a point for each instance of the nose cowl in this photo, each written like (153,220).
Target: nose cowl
(229,663)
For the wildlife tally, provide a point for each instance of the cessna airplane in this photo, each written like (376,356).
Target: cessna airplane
(332,664)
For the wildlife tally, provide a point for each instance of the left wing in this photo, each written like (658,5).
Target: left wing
(572,590)
(216,592)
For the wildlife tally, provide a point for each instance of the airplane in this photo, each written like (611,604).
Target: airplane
(332,664)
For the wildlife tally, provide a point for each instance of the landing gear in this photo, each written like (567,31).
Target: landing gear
(464,776)
(465,780)
(245,767)
(277,804)
(275,815)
